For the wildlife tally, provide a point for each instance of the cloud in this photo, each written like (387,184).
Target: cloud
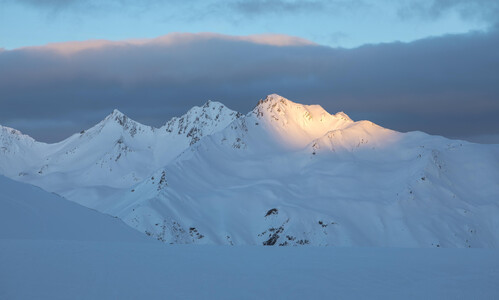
(233,10)
(245,7)
(172,39)
(446,85)
(86,8)
(260,7)
(487,10)
(483,10)
(55,5)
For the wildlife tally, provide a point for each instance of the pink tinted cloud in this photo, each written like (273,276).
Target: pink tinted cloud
(68,48)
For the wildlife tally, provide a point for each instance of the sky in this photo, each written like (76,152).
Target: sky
(429,65)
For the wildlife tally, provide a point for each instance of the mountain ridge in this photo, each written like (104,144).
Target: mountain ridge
(282,174)
(117,151)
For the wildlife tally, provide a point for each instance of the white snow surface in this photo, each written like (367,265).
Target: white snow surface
(51,248)
(96,270)
(283,174)
(30,213)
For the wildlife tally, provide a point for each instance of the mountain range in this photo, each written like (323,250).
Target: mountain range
(282,174)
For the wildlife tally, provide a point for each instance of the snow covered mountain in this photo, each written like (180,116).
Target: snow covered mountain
(284,174)
(114,154)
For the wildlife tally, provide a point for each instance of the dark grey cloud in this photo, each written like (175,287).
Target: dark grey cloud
(427,9)
(53,5)
(447,85)
(54,8)
(487,10)
(234,11)
(240,12)
(264,7)
(246,7)
(259,7)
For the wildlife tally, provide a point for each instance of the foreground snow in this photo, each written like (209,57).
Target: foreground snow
(28,212)
(99,270)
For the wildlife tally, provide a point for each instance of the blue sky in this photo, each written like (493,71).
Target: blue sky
(428,65)
(334,23)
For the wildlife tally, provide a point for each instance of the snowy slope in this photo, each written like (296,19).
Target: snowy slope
(288,174)
(51,248)
(284,174)
(30,213)
(116,153)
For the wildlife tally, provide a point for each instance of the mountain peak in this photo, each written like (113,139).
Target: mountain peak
(275,105)
(294,124)
(5,129)
(211,109)
(119,122)
(120,118)
(211,103)
(344,116)
(8,135)
(273,99)
(201,120)
(116,115)
(116,112)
